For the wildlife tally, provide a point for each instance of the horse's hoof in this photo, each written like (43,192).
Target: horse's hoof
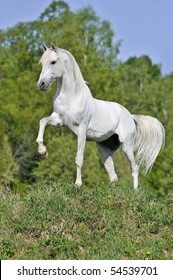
(43,152)
(44,155)
(78,184)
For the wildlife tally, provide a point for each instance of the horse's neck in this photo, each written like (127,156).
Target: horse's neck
(67,84)
(71,85)
(68,88)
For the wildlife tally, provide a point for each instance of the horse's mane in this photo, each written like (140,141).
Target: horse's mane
(76,70)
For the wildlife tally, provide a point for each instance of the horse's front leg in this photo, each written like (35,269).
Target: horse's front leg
(41,148)
(81,140)
(54,120)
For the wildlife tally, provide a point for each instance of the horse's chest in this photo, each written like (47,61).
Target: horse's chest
(69,115)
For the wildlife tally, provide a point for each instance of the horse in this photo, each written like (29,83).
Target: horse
(109,124)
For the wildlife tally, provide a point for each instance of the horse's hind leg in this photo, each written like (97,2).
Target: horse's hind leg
(127,147)
(107,158)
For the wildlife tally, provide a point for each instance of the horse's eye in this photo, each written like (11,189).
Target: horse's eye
(53,62)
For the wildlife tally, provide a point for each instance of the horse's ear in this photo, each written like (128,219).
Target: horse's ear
(44,47)
(54,47)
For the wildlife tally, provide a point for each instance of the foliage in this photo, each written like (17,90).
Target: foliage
(137,84)
(9,168)
(102,222)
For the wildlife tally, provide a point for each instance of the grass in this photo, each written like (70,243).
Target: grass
(59,221)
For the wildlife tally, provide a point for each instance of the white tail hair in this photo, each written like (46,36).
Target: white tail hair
(149,140)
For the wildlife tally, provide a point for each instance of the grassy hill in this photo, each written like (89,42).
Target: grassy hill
(59,221)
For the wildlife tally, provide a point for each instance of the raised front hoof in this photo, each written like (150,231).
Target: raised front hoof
(43,152)
(44,155)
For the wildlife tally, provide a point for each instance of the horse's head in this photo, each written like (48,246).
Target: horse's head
(52,67)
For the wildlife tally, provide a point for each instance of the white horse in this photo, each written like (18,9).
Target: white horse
(109,124)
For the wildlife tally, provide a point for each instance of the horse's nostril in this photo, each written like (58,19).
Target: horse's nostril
(41,85)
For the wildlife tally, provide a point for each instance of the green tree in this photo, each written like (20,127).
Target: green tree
(9,171)
(137,84)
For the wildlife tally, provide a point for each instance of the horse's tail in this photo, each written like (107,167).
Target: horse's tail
(149,140)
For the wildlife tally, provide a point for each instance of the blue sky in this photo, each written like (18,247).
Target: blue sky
(144,26)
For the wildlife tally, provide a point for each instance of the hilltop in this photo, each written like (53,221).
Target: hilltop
(59,221)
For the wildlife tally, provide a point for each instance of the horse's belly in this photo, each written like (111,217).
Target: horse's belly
(97,136)
(100,131)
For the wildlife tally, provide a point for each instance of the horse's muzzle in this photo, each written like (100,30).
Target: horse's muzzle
(42,86)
